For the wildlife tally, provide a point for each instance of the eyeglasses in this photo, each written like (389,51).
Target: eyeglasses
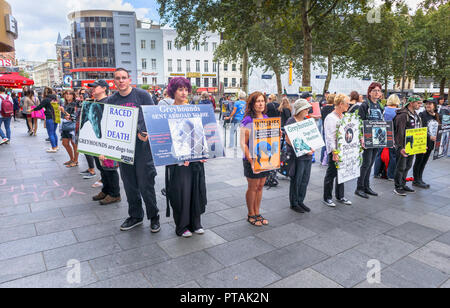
(377,91)
(121,78)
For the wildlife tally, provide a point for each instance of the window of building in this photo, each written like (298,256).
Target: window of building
(125,25)
(197,66)
(241,68)
(144,80)
(240,82)
(125,44)
(197,47)
(124,34)
(206,82)
(197,82)
(205,46)
(153,64)
(144,64)
(169,65)
(155,80)
(126,53)
(225,67)
(233,68)
(188,47)
(214,67)
(206,66)
(179,69)
(225,82)
(233,82)
(152,44)
(188,66)
(214,46)
(178,46)
(169,45)
(126,62)
(214,82)
(142,44)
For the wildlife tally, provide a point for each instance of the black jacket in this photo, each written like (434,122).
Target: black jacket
(404,120)
(364,110)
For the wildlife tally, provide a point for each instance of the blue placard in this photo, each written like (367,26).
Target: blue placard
(180,133)
(266,76)
(321,76)
(367,78)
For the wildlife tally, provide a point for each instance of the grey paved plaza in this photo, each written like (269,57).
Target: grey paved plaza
(47,218)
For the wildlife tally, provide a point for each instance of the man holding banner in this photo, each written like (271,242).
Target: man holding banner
(406,119)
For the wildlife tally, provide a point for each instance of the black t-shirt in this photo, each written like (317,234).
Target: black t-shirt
(136,99)
(285,115)
(291,151)
(326,110)
(272,110)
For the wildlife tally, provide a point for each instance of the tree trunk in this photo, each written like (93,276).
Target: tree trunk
(245,71)
(330,72)
(386,81)
(442,87)
(307,44)
(279,85)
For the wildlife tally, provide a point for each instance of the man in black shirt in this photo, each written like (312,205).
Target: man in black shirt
(138,179)
(272,107)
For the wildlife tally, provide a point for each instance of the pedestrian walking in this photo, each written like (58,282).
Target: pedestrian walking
(256,109)
(6,113)
(138,179)
(29,100)
(406,118)
(370,110)
(331,126)
(185,183)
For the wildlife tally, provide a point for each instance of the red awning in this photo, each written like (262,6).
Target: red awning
(209,90)
(14,80)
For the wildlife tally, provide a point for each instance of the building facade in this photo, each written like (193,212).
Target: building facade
(150,55)
(8,28)
(64,58)
(231,77)
(46,74)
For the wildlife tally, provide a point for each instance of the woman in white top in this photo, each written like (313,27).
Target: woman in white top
(30,100)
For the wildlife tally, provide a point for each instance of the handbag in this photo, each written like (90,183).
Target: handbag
(40,114)
(68,126)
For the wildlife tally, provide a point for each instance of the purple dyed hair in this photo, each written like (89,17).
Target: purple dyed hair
(176,83)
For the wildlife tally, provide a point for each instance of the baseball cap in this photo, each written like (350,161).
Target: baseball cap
(300,105)
(306,95)
(413,99)
(100,82)
(429,100)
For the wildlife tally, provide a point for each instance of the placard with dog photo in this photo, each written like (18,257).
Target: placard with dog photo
(265,144)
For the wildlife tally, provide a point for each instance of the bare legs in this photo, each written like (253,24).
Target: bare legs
(71,149)
(254,197)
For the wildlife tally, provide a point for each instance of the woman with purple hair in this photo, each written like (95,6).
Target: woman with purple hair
(185,183)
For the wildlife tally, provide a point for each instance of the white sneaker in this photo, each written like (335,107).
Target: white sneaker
(3,140)
(51,151)
(345,201)
(97,184)
(200,232)
(329,203)
(187,234)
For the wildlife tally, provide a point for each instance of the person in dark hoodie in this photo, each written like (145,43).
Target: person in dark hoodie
(50,124)
(430,119)
(373,111)
(406,118)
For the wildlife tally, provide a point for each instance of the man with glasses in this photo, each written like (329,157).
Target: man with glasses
(138,179)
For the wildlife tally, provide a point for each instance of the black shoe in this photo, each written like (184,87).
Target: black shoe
(155,227)
(400,192)
(305,208)
(369,191)
(408,190)
(131,223)
(297,209)
(421,184)
(361,194)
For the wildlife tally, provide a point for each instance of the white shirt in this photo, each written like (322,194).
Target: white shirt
(331,127)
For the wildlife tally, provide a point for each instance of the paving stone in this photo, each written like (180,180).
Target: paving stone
(142,236)
(434,221)
(189,285)
(283,217)
(54,279)
(240,250)
(181,270)
(413,233)
(14,210)
(15,268)
(30,218)
(323,222)
(286,235)
(410,273)
(212,220)
(128,261)
(446,285)
(240,276)
(179,246)
(333,242)
(443,211)
(306,279)
(82,252)
(367,227)
(348,269)
(366,285)
(36,244)
(291,259)
(66,224)
(215,206)
(236,230)
(234,214)
(89,233)
(445,238)
(394,217)
(135,280)
(17,233)
(435,254)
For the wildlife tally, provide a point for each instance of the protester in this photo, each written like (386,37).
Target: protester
(354,102)
(370,110)
(29,100)
(431,119)
(331,125)
(6,113)
(205,99)
(138,179)
(272,107)
(110,192)
(390,110)
(51,125)
(325,111)
(442,109)
(185,183)
(16,104)
(236,116)
(300,170)
(68,125)
(166,101)
(256,109)
(406,118)
(285,111)
(324,100)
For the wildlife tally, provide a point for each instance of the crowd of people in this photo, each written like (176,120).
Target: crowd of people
(185,185)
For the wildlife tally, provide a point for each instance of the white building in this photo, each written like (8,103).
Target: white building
(231,77)
(46,74)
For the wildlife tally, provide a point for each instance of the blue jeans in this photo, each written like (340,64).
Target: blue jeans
(7,122)
(51,131)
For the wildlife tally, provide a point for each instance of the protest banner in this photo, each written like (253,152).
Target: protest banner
(108,130)
(180,133)
(416,141)
(442,139)
(378,134)
(349,148)
(265,144)
(304,136)
(316,109)
(55,107)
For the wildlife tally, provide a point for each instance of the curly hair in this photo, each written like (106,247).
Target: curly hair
(176,83)
(250,110)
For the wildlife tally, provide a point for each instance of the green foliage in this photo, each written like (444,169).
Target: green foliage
(145,87)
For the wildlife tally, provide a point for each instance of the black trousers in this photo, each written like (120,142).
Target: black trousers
(369,156)
(330,178)
(402,168)
(110,180)
(421,162)
(139,182)
(299,183)
(90,161)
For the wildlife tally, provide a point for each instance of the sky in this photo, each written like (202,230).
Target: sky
(40,21)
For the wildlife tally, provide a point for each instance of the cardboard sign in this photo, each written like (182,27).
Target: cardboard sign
(265,145)
(416,141)
(304,137)
(108,130)
(349,148)
(378,134)
(179,133)
(442,139)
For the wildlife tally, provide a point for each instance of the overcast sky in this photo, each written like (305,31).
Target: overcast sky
(40,21)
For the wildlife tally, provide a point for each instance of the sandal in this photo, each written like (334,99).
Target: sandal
(255,221)
(68,163)
(262,220)
(73,164)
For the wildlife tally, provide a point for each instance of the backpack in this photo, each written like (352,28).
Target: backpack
(7,109)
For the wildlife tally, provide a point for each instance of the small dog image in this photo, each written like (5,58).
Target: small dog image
(93,113)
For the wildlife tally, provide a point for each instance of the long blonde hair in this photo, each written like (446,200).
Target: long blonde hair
(285,103)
